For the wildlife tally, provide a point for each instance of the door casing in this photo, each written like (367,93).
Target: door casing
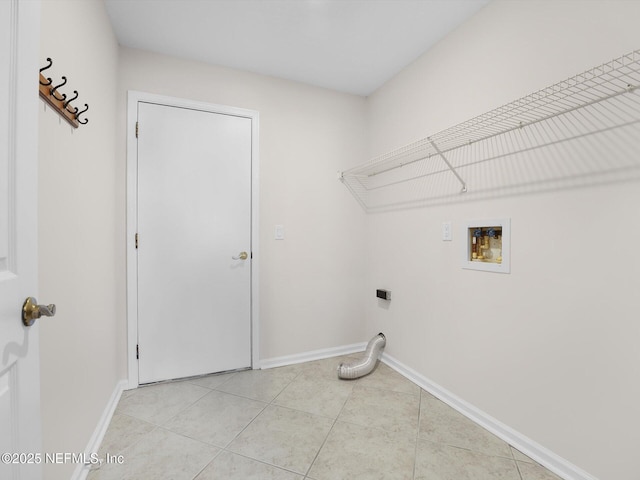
(132,178)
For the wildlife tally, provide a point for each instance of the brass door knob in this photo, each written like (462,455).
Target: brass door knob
(31,311)
(241,256)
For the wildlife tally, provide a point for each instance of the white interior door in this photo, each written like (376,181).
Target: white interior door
(194,215)
(19,359)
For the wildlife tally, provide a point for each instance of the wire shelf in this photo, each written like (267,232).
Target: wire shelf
(581,131)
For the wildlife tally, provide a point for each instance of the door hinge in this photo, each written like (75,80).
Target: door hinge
(136,240)
(137,126)
(137,352)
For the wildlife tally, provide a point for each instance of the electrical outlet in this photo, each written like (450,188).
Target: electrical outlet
(446,231)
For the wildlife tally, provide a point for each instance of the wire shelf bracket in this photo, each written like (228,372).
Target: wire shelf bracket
(453,170)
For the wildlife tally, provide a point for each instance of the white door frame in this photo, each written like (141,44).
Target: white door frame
(132,208)
(19,345)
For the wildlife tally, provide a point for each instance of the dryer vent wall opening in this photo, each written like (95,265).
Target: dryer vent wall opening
(364,366)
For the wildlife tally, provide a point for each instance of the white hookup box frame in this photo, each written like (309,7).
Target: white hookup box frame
(487,253)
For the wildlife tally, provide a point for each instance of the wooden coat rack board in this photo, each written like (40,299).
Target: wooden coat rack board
(59,101)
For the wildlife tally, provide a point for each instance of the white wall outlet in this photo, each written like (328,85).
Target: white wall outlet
(279,235)
(446,231)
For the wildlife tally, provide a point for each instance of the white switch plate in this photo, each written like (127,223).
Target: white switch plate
(446,231)
(279,235)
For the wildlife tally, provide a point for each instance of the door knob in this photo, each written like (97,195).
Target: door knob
(241,256)
(31,311)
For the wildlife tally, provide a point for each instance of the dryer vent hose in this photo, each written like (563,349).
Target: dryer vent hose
(364,366)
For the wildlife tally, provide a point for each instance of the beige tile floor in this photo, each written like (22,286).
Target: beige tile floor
(301,422)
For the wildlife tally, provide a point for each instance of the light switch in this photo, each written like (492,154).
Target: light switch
(446,231)
(279,232)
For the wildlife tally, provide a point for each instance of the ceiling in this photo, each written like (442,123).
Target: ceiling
(352,46)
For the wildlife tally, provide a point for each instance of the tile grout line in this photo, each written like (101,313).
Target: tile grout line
(419,395)
(511,448)
(266,405)
(257,461)
(209,390)
(518,468)
(415,450)
(306,475)
(207,464)
(184,409)
(128,447)
(155,427)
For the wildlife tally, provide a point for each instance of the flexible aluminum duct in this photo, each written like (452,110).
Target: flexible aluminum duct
(364,366)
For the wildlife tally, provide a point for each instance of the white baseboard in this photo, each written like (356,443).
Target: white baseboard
(313,355)
(82,471)
(558,465)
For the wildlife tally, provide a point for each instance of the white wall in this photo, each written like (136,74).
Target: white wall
(80,232)
(311,284)
(550,349)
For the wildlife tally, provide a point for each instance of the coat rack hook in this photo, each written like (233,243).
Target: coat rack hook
(71,100)
(50,62)
(53,90)
(86,120)
(43,69)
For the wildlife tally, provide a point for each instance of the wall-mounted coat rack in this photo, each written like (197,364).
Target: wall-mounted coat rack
(59,101)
